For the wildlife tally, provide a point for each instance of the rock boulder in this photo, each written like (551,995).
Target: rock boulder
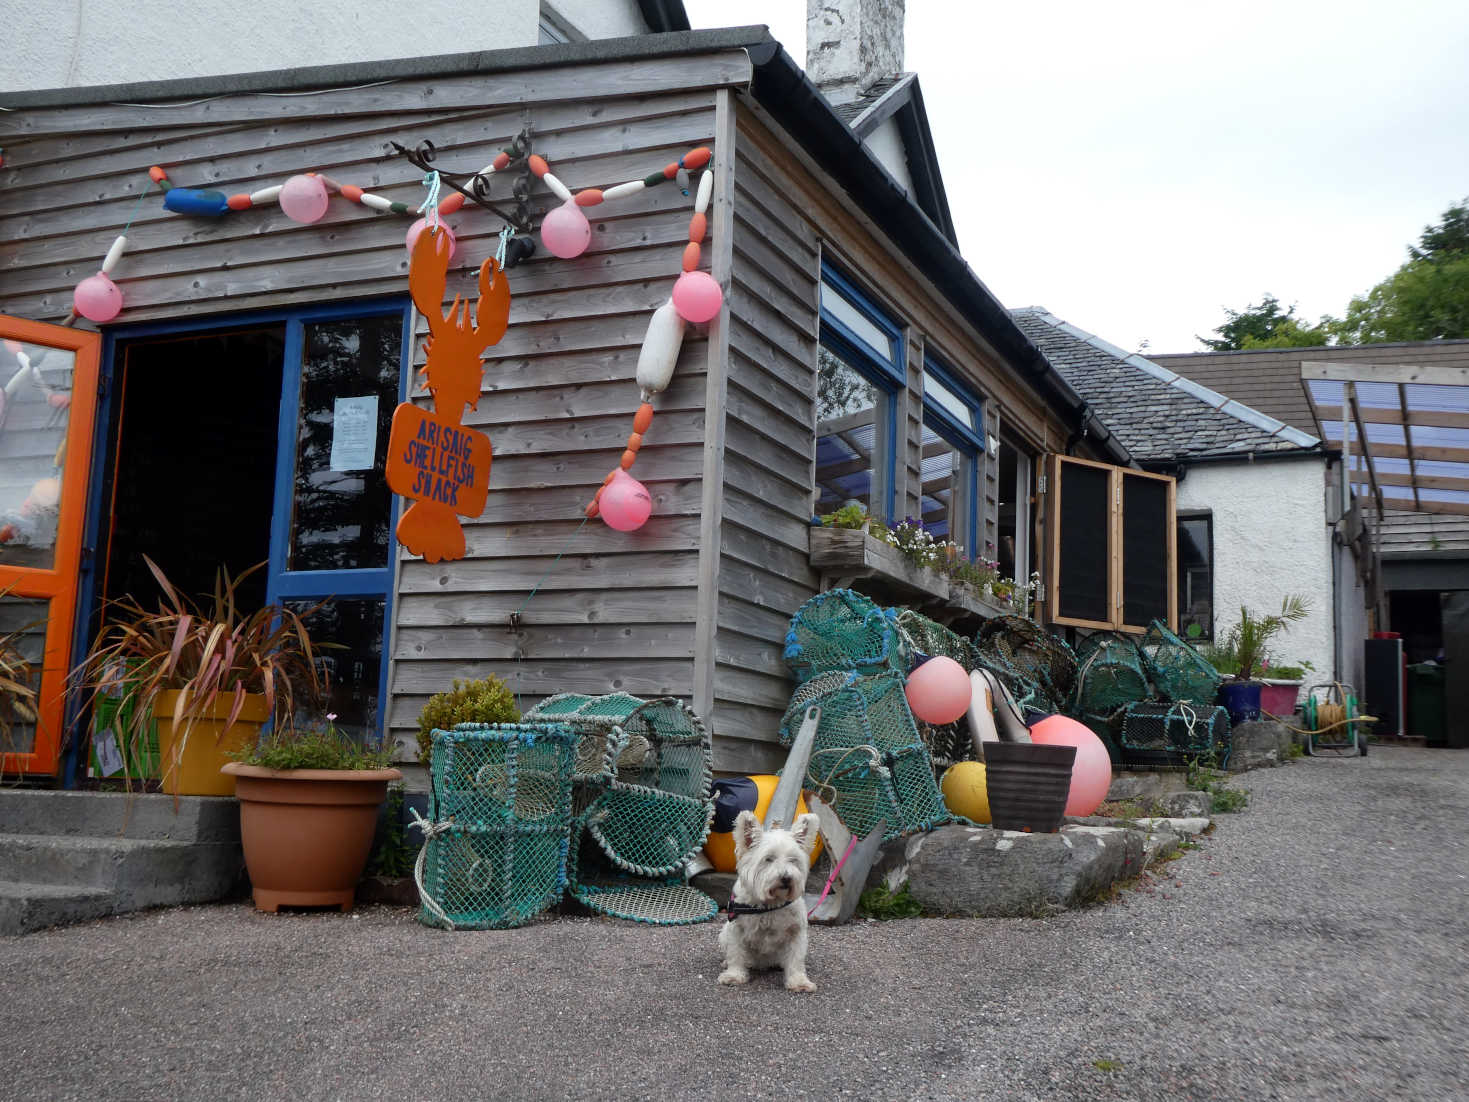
(983,872)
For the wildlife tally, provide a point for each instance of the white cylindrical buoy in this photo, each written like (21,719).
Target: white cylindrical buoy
(558,189)
(114,254)
(706,192)
(981,713)
(622,191)
(660,349)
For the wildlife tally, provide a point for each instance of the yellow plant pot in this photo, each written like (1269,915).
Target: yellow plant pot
(196,771)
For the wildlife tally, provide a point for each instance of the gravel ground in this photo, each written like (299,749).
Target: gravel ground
(1312,948)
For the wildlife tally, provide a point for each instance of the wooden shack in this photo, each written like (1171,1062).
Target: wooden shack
(820,252)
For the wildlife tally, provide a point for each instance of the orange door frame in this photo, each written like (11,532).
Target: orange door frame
(58,584)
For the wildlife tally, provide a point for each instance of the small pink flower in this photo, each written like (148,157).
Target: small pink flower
(331,717)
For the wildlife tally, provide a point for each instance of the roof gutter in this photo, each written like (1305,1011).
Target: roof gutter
(784,90)
(1250,456)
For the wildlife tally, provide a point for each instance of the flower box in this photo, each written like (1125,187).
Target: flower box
(845,555)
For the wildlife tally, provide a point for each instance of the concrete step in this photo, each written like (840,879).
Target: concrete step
(136,872)
(25,907)
(209,819)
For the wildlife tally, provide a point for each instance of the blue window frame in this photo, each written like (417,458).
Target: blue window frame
(332,518)
(861,368)
(953,441)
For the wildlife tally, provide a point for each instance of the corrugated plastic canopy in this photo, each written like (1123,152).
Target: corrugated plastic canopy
(1403,430)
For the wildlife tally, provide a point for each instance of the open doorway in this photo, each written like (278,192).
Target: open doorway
(194,462)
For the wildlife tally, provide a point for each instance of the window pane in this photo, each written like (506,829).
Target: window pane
(1195,579)
(354,670)
(855,320)
(943,479)
(22,648)
(1009,510)
(1145,525)
(1084,580)
(950,402)
(846,434)
(35,401)
(349,389)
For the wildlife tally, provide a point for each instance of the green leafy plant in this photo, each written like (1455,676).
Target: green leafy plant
(1244,649)
(883,904)
(1203,775)
(1289,673)
(392,856)
(315,747)
(483,701)
(848,516)
(213,655)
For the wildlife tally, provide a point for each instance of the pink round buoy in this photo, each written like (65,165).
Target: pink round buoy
(566,231)
(625,504)
(422,224)
(697,297)
(97,298)
(1091,776)
(303,198)
(938,691)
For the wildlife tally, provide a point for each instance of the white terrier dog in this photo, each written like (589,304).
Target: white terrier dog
(767,914)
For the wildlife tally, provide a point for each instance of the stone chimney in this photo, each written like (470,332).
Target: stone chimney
(851,44)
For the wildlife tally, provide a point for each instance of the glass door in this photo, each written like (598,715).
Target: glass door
(332,527)
(48,400)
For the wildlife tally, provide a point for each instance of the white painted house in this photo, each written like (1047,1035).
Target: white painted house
(77,45)
(1259,502)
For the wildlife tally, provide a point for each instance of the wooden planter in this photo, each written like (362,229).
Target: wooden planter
(197,770)
(307,833)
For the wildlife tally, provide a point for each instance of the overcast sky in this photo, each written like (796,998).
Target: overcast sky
(1137,167)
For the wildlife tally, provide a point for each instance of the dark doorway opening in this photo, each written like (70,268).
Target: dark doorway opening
(194,462)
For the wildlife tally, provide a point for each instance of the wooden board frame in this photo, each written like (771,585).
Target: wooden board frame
(1116,477)
(58,583)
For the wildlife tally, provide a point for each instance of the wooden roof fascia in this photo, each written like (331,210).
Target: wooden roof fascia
(1384,373)
(1408,442)
(1351,396)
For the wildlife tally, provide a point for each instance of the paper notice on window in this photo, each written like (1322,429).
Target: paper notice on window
(354,433)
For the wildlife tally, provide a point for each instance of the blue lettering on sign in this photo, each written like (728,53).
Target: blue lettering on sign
(442,457)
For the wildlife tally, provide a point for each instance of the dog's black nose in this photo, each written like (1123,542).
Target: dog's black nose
(785,883)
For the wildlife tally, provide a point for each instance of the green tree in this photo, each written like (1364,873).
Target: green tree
(1265,326)
(1426,299)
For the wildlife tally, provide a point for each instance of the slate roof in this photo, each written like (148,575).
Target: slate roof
(1158,414)
(851,112)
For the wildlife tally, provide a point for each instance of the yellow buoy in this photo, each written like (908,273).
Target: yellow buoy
(719,846)
(965,791)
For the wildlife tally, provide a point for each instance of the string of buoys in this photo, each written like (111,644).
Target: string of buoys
(696,298)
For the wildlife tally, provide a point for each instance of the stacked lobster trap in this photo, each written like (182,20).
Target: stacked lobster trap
(495,852)
(605,797)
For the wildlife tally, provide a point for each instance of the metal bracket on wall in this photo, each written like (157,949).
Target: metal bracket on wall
(475,186)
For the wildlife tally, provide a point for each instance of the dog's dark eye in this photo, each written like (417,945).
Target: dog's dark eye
(769,857)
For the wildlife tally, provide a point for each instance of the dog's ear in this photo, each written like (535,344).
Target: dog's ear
(747,833)
(804,831)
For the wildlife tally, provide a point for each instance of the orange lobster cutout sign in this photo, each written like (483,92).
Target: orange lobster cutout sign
(432,457)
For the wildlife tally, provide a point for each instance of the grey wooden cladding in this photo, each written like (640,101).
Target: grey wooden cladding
(765,573)
(530,87)
(617,611)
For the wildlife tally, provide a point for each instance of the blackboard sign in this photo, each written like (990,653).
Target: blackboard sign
(1146,566)
(1085,519)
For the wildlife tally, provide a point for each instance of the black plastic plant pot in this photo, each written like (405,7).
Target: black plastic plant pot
(1028,785)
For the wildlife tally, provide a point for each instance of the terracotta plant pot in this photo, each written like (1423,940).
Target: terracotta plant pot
(1028,784)
(207,749)
(1278,697)
(307,833)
